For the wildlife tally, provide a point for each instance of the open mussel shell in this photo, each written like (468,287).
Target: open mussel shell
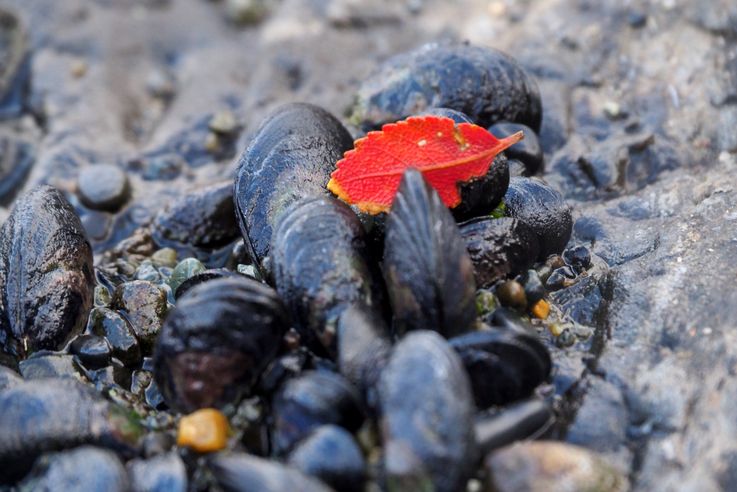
(321,266)
(543,210)
(429,274)
(313,399)
(427,412)
(331,454)
(503,366)
(216,342)
(58,413)
(484,83)
(499,248)
(46,274)
(240,472)
(290,158)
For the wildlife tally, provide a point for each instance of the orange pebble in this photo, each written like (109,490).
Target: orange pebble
(204,431)
(541,309)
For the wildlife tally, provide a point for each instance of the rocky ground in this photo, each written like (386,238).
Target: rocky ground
(639,133)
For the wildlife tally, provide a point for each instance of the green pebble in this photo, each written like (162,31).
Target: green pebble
(185,269)
(165,257)
(147,271)
(486,302)
(102,296)
(248,270)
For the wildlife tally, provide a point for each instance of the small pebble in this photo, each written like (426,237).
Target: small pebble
(614,111)
(578,257)
(93,351)
(145,306)
(637,19)
(111,325)
(486,302)
(102,296)
(512,294)
(246,12)
(534,289)
(161,85)
(103,187)
(560,278)
(78,69)
(147,271)
(565,339)
(204,431)
(165,257)
(223,123)
(541,309)
(184,270)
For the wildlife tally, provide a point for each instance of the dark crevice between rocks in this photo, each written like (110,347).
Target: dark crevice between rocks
(573,398)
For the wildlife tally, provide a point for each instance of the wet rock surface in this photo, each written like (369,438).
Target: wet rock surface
(638,134)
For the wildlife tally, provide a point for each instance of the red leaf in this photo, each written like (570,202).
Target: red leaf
(445,152)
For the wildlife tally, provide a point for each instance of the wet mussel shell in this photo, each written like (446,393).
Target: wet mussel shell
(58,413)
(523,420)
(202,277)
(503,366)
(290,158)
(499,248)
(198,222)
(240,472)
(331,454)
(543,210)
(313,399)
(321,266)
(480,196)
(428,272)
(427,412)
(454,115)
(216,342)
(46,274)
(85,468)
(527,151)
(364,348)
(484,83)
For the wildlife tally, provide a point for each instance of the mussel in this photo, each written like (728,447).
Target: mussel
(527,151)
(428,271)
(216,342)
(427,412)
(503,366)
(331,454)
(46,275)
(309,401)
(204,220)
(239,472)
(58,413)
(543,210)
(523,420)
(363,349)
(291,157)
(321,266)
(484,83)
(85,468)
(499,248)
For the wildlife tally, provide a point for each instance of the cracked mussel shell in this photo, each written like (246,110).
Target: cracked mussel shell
(427,416)
(503,366)
(46,274)
(216,342)
(290,158)
(499,248)
(53,414)
(484,83)
(542,209)
(321,266)
(428,272)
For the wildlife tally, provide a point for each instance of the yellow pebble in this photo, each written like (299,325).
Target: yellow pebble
(541,309)
(204,431)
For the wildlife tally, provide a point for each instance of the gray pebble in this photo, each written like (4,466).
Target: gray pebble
(103,187)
